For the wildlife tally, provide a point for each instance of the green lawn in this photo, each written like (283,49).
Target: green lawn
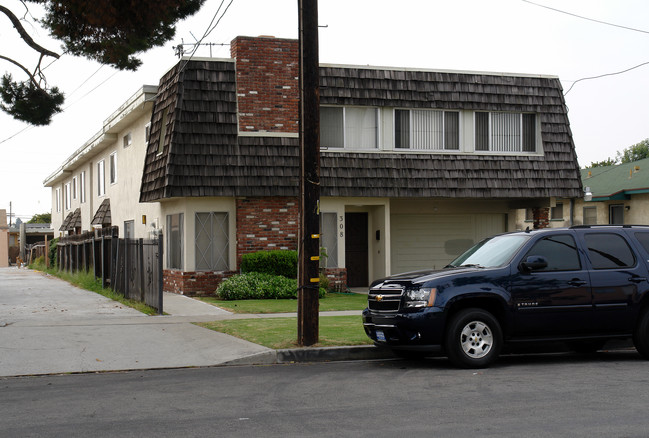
(278,333)
(331,301)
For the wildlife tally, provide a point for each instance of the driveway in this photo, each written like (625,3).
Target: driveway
(48,326)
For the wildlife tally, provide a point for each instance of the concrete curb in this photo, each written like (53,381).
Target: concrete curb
(321,354)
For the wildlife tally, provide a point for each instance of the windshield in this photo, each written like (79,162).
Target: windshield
(492,252)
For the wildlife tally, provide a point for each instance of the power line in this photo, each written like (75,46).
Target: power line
(210,29)
(586,18)
(604,75)
(26,128)
(98,85)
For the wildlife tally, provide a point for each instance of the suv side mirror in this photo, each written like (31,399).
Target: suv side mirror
(534,263)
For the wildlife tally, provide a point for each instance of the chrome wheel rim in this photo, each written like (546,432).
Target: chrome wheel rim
(476,339)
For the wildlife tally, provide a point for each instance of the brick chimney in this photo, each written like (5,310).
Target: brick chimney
(267,83)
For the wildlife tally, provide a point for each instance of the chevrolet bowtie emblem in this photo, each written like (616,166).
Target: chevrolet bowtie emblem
(379,298)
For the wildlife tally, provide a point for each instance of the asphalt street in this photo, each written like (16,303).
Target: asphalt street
(553,395)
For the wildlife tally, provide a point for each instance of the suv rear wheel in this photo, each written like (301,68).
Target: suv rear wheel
(641,335)
(474,339)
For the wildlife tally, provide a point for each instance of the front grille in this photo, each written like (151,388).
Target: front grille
(386,298)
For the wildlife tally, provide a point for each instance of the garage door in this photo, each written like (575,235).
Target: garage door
(432,241)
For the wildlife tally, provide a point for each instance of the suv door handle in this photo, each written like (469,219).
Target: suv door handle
(637,279)
(577,282)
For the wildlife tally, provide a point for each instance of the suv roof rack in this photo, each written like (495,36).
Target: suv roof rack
(608,225)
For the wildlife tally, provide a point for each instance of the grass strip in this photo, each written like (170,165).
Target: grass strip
(278,333)
(86,280)
(331,302)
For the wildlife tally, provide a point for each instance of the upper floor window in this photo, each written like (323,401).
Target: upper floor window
(74,187)
(82,186)
(427,129)
(113,167)
(101,180)
(505,132)
(163,130)
(128,139)
(349,127)
(57,195)
(68,198)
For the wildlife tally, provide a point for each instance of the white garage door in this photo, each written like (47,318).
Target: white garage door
(432,241)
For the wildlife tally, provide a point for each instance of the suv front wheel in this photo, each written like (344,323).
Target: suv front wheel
(473,339)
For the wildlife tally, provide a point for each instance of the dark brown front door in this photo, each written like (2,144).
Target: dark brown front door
(356,252)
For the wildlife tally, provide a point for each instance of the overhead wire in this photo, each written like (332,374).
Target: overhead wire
(209,30)
(600,22)
(604,75)
(586,18)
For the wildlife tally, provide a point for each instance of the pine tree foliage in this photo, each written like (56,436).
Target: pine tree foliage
(111,32)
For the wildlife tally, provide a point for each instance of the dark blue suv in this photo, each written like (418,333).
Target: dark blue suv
(583,285)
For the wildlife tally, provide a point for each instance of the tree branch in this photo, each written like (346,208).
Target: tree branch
(25,36)
(16,63)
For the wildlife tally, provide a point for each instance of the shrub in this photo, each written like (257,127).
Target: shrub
(278,262)
(52,253)
(259,286)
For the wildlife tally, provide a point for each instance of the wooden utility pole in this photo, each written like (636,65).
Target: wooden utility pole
(309,232)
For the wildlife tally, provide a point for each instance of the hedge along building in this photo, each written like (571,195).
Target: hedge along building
(416,165)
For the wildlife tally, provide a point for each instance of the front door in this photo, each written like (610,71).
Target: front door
(356,250)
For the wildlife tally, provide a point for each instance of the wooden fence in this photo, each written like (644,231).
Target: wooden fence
(35,250)
(131,267)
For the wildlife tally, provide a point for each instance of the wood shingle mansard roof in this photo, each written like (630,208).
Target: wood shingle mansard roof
(203,155)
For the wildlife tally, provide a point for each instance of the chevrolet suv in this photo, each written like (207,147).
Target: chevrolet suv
(583,285)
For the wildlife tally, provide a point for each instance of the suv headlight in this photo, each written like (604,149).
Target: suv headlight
(423,297)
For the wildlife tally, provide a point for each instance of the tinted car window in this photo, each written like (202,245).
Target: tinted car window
(560,251)
(607,250)
(643,238)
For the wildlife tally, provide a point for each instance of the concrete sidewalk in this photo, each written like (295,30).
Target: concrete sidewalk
(48,326)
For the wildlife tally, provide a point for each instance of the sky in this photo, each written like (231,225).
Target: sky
(606,114)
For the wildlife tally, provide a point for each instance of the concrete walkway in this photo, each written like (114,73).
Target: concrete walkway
(48,326)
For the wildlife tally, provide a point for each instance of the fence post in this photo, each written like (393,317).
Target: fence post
(160,273)
(103,276)
(141,269)
(125,272)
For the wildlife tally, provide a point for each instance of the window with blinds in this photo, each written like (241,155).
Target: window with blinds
(505,132)
(349,127)
(426,129)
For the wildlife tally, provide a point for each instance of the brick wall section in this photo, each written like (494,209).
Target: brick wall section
(337,279)
(265,224)
(541,217)
(193,283)
(267,84)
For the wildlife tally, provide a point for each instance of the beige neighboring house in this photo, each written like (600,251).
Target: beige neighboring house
(617,195)
(106,168)
(4,240)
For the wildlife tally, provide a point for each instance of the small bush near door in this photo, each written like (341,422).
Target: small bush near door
(278,262)
(256,286)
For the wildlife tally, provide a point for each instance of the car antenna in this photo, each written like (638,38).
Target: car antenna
(527,230)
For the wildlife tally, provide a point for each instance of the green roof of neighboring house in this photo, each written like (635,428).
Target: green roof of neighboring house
(617,182)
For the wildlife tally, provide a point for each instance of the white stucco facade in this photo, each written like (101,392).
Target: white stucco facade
(115,153)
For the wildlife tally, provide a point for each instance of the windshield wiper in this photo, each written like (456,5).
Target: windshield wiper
(471,265)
